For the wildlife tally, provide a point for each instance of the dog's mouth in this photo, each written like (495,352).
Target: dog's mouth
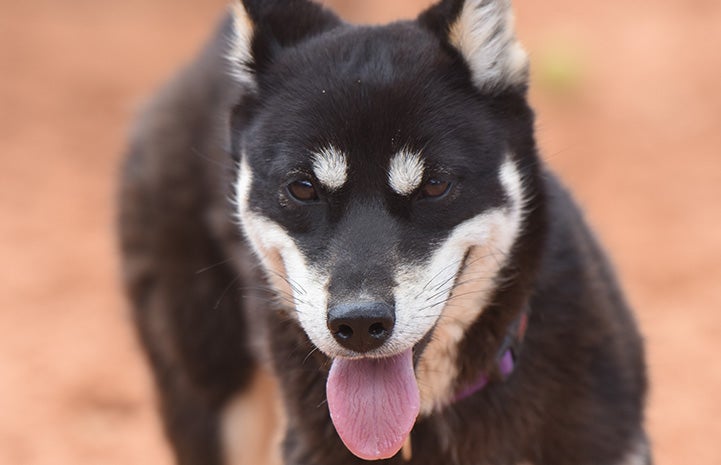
(373,403)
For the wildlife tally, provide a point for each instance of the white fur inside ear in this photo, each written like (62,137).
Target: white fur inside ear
(484,33)
(240,54)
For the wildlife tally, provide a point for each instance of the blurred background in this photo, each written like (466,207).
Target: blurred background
(628,96)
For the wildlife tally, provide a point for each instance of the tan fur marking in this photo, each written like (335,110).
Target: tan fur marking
(407,450)
(270,241)
(472,291)
(253,424)
(278,278)
(437,368)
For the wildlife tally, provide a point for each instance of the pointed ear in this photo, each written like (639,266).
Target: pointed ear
(261,28)
(483,32)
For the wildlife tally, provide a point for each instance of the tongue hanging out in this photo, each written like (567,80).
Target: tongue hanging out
(373,403)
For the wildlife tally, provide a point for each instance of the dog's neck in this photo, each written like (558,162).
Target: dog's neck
(505,363)
(506,357)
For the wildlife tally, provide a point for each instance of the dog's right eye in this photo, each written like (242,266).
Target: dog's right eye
(302,190)
(434,189)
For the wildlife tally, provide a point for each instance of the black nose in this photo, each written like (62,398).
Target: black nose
(361,327)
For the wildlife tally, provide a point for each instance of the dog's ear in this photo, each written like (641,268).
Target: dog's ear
(261,28)
(483,32)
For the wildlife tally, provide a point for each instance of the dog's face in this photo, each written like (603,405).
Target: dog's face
(380,181)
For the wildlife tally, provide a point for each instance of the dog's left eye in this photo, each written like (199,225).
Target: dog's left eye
(434,188)
(302,190)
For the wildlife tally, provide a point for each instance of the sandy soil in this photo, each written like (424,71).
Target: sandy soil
(631,122)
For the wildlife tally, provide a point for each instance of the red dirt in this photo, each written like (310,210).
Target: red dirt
(636,136)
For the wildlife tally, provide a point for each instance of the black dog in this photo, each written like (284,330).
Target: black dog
(410,284)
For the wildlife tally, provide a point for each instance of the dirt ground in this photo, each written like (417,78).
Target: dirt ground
(629,106)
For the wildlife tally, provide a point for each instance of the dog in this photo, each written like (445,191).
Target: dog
(340,245)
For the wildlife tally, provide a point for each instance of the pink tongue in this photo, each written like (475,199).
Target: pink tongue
(373,403)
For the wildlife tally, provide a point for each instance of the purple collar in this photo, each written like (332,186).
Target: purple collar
(505,360)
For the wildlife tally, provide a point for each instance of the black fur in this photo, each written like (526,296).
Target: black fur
(200,299)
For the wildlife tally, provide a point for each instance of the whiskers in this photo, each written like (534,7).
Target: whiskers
(294,285)
(274,294)
(213,266)
(225,292)
(442,294)
(264,293)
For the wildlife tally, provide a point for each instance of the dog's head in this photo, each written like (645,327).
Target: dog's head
(382,184)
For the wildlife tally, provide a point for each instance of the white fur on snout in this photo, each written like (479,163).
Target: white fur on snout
(434,293)
(288,269)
